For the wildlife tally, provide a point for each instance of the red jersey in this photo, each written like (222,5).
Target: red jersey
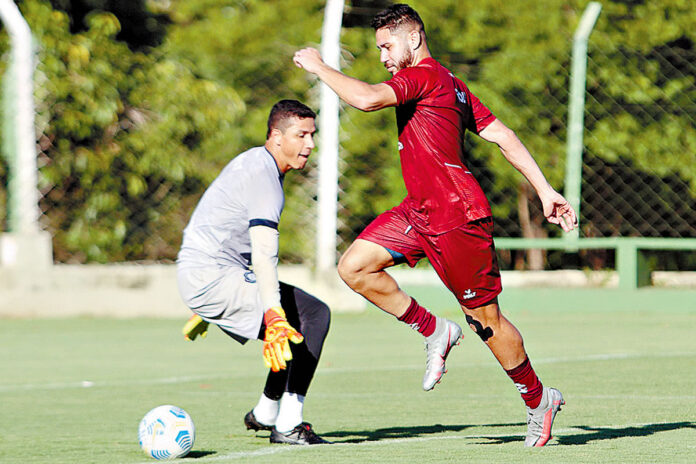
(434,109)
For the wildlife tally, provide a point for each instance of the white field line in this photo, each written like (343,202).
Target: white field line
(276,449)
(328,371)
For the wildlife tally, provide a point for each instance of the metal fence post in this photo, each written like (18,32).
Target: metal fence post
(327,194)
(576,108)
(26,244)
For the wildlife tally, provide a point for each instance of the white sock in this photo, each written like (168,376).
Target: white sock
(266,410)
(290,413)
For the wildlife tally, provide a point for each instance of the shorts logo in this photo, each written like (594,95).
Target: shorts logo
(522,388)
(468,294)
(401,146)
(250,277)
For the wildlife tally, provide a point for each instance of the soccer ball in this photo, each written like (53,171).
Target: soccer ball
(166,432)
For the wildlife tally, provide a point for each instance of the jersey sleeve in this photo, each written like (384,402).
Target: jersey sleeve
(264,200)
(482,116)
(412,83)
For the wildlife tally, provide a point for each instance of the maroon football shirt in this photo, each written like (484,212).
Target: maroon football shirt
(434,109)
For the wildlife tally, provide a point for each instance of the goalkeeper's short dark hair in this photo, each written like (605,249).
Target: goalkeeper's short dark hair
(283,111)
(395,16)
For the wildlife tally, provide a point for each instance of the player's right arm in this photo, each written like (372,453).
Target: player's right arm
(359,94)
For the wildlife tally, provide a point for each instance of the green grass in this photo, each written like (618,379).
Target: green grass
(629,379)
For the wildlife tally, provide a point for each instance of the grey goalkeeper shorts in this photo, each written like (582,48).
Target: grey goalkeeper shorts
(228,297)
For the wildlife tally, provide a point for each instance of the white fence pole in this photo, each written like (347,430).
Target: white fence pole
(328,142)
(23,209)
(26,244)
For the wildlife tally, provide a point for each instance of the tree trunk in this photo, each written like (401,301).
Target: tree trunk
(531,223)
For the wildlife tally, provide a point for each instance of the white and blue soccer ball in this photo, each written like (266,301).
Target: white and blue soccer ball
(166,432)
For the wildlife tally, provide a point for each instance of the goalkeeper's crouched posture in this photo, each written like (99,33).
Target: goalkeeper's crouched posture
(234,225)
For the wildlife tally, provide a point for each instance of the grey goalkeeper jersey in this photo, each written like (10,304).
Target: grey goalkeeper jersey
(248,192)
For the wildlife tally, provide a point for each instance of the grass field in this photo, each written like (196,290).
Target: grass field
(73,391)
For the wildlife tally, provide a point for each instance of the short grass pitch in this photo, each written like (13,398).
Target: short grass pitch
(74,390)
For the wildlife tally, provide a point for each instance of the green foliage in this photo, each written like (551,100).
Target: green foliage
(126,138)
(135,120)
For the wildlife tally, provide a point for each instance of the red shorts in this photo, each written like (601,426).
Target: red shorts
(464,258)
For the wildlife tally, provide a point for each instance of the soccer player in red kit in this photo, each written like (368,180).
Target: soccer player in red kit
(445,216)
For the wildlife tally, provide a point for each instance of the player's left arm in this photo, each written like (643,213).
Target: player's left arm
(264,257)
(359,94)
(556,208)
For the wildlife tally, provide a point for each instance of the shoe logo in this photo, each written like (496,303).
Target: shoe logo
(468,294)
(522,388)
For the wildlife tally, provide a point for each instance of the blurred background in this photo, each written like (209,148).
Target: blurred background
(140,103)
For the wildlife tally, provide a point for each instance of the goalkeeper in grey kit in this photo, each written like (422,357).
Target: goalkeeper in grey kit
(234,225)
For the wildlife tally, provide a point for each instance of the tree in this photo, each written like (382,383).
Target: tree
(124,137)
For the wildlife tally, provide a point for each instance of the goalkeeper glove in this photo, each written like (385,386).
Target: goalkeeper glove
(194,327)
(276,349)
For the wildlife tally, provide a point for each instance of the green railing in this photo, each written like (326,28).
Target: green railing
(631,261)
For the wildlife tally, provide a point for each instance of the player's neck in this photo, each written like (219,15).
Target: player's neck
(282,167)
(421,54)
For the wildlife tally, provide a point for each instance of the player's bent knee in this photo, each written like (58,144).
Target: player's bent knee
(350,270)
(485,332)
(323,318)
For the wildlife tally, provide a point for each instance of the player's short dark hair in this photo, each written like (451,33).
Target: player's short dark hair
(283,111)
(395,16)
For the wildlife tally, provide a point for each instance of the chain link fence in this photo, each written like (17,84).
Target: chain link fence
(639,168)
(639,175)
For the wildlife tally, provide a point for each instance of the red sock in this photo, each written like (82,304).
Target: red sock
(527,383)
(419,318)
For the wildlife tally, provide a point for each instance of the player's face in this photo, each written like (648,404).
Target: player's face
(296,143)
(394,50)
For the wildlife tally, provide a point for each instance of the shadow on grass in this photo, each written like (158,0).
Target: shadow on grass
(595,433)
(199,454)
(610,433)
(598,433)
(359,436)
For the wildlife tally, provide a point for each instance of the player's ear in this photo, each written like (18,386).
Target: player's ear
(275,136)
(414,39)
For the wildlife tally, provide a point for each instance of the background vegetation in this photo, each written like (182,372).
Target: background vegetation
(141,103)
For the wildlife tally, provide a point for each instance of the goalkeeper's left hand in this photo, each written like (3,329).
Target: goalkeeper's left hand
(276,349)
(194,327)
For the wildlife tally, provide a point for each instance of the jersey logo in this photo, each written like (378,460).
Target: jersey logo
(461,96)
(250,277)
(468,294)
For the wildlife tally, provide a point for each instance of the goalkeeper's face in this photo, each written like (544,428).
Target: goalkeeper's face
(295,143)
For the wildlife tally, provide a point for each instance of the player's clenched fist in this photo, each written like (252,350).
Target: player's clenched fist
(276,349)
(308,59)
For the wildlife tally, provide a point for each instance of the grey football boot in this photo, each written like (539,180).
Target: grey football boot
(437,347)
(540,419)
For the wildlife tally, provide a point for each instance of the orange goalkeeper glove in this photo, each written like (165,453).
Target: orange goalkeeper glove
(194,327)
(276,349)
